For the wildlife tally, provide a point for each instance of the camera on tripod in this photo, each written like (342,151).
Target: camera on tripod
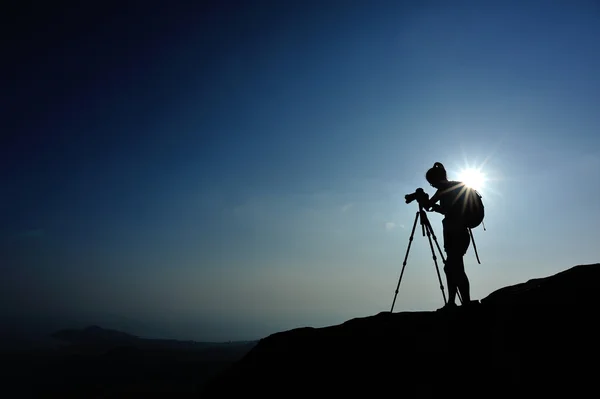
(421,196)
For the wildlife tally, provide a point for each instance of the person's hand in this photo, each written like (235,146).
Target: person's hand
(436,208)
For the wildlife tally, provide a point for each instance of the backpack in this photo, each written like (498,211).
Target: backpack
(471,207)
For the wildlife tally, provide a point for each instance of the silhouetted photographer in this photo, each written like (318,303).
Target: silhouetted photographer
(463,210)
(454,202)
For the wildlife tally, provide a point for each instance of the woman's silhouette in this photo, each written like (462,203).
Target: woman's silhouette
(456,233)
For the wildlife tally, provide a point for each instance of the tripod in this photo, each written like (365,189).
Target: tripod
(426,228)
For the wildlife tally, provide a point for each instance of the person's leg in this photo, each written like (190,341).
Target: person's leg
(449,270)
(449,267)
(461,279)
(462,282)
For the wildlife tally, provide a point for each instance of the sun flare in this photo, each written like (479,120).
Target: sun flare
(472,177)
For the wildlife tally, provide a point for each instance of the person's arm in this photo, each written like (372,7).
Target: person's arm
(436,208)
(431,205)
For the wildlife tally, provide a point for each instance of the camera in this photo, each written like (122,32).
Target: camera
(421,196)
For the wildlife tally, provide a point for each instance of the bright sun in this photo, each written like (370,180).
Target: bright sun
(472,177)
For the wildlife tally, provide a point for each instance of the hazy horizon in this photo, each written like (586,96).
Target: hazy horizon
(230,170)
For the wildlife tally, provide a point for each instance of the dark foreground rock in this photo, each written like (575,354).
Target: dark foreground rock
(539,337)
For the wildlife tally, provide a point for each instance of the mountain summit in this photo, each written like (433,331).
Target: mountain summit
(537,337)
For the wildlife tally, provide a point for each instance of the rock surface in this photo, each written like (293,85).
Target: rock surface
(539,337)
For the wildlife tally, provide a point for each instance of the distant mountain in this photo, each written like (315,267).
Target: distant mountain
(101,339)
(528,340)
(93,334)
(99,362)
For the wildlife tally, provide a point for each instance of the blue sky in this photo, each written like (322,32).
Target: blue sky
(229,171)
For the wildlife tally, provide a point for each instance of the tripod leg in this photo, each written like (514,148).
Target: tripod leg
(429,231)
(410,240)
(436,243)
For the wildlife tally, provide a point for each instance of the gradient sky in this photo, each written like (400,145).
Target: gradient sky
(228,171)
